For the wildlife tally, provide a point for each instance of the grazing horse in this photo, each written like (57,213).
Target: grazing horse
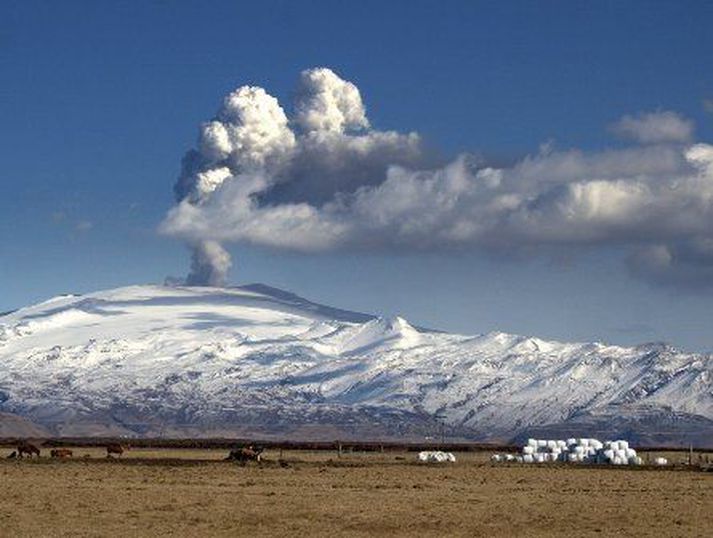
(244,455)
(115,448)
(61,453)
(27,448)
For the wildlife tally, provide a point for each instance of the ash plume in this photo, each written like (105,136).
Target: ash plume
(321,177)
(210,263)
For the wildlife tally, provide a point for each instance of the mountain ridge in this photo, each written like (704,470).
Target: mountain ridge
(253,359)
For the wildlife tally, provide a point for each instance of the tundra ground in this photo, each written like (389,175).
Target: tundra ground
(170,492)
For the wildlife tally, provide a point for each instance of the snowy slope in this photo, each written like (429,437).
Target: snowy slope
(154,360)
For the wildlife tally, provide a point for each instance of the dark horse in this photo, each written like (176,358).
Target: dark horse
(115,448)
(61,453)
(27,448)
(246,454)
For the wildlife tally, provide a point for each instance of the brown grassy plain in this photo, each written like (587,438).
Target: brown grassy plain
(170,492)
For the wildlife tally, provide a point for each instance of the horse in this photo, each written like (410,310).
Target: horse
(244,455)
(115,448)
(61,453)
(27,448)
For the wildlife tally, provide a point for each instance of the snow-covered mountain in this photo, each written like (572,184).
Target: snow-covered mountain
(254,360)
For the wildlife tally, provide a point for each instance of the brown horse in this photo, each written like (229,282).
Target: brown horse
(244,455)
(27,448)
(115,448)
(61,453)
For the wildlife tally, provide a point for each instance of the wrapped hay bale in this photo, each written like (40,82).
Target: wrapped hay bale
(572,457)
(519,459)
(623,445)
(630,453)
(660,461)
(436,456)
(551,444)
(596,444)
(636,460)
(562,445)
(571,441)
(528,458)
(528,449)
(532,442)
(496,458)
(541,443)
(540,457)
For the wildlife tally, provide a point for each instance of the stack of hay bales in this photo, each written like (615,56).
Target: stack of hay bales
(618,453)
(436,456)
(579,450)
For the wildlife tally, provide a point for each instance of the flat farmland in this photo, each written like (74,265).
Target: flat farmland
(192,492)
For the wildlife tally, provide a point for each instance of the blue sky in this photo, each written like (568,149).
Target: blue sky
(99,101)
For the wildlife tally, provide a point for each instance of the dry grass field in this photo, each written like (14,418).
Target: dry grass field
(177,492)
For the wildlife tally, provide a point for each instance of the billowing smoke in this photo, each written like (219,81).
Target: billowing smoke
(323,179)
(210,263)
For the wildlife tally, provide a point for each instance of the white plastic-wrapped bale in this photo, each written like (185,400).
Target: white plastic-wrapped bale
(660,461)
(529,449)
(496,458)
(541,443)
(528,458)
(436,456)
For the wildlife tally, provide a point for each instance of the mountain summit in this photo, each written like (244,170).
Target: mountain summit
(258,361)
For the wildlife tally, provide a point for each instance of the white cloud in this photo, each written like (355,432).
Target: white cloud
(335,183)
(655,128)
(325,102)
